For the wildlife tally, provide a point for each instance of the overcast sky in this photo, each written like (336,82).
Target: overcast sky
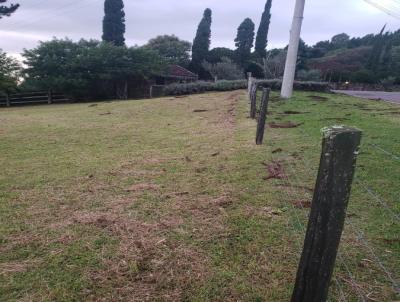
(43,19)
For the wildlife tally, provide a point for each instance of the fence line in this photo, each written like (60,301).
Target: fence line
(377,197)
(361,238)
(355,231)
(31,98)
(290,184)
(341,259)
(385,151)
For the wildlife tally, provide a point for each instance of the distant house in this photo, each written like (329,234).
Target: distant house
(176,74)
(139,87)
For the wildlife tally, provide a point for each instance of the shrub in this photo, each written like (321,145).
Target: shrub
(198,87)
(309,75)
(224,70)
(298,85)
(364,76)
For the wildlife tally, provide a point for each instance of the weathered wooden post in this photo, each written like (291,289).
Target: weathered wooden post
(253,101)
(215,79)
(249,82)
(49,97)
(8,103)
(151,92)
(263,116)
(332,191)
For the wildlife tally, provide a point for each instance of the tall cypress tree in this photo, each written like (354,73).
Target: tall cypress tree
(262,34)
(6,11)
(114,22)
(244,41)
(201,43)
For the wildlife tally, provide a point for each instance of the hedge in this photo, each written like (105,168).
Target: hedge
(199,87)
(298,85)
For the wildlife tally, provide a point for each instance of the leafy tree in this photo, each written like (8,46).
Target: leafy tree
(380,54)
(309,75)
(174,50)
(217,54)
(262,34)
(224,70)
(364,76)
(114,22)
(9,73)
(256,69)
(274,64)
(201,44)
(340,41)
(6,11)
(88,68)
(244,41)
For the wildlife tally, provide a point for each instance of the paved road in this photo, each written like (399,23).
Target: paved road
(392,97)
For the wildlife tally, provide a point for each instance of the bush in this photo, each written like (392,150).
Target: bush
(198,87)
(298,85)
(309,75)
(364,76)
(224,70)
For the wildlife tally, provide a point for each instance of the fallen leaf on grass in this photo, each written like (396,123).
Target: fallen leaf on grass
(275,170)
(302,204)
(271,211)
(223,201)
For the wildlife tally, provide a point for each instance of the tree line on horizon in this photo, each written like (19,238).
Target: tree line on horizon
(80,67)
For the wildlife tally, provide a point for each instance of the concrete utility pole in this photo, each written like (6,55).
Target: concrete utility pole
(291,59)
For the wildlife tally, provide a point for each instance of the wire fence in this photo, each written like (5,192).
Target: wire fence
(357,232)
(346,278)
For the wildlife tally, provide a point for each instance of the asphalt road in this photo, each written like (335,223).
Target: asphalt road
(392,97)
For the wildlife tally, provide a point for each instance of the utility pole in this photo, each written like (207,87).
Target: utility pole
(291,59)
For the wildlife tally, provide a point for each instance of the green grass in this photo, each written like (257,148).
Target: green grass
(152,201)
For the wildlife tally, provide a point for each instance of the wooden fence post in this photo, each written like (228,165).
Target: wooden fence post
(332,191)
(8,103)
(249,82)
(49,97)
(253,101)
(151,91)
(263,116)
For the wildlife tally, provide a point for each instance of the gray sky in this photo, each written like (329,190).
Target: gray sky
(42,19)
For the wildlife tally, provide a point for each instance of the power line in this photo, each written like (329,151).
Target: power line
(388,10)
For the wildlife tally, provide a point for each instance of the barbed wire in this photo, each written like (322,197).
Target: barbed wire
(385,151)
(378,198)
(361,238)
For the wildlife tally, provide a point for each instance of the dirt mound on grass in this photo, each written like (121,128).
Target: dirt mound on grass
(285,125)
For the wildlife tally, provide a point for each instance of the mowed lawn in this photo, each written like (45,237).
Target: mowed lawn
(171,200)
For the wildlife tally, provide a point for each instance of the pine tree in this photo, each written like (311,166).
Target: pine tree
(262,33)
(201,43)
(114,22)
(6,11)
(244,41)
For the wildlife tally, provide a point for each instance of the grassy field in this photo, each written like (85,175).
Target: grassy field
(170,200)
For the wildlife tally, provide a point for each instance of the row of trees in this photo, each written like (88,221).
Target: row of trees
(368,59)
(243,58)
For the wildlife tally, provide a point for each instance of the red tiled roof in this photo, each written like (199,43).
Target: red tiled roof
(177,71)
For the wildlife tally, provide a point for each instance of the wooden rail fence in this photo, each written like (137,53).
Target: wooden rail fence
(32,98)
